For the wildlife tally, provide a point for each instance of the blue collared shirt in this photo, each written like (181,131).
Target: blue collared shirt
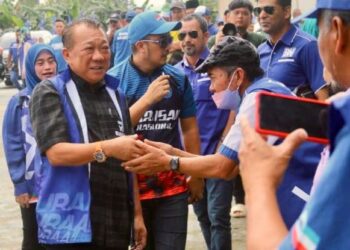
(294,60)
(211,121)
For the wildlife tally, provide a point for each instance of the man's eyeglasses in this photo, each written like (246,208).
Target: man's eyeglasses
(163,41)
(267,9)
(193,34)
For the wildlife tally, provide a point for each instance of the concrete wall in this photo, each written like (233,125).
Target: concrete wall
(302,4)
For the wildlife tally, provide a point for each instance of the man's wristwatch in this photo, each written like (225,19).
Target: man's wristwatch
(99,155)
(174,163)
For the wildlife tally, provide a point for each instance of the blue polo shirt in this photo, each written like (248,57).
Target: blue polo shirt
(294,60)
(211,121)
(121,47)
(57,45)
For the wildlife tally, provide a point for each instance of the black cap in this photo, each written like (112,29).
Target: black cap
(192,4)
(114,17)
(232,51)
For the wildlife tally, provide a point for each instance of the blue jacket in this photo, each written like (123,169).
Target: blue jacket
(64,201)
(22,155)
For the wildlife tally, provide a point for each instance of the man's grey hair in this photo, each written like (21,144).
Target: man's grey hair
(202,22)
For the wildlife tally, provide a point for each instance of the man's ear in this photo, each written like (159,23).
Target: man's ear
(240,76)
(287,12)
(340,34)
(140,46)
(65,53)
(206,36)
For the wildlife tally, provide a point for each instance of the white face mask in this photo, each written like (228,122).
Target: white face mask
(228,99)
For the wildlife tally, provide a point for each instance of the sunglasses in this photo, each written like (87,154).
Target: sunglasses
(267,9)
(192,34)
(163,41)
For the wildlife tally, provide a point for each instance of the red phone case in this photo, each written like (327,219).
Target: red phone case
(280,133)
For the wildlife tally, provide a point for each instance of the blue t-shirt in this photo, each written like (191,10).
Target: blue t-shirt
(211,120)
(121,47)
(160,122)
(324,223)
(294,60)
(57,45)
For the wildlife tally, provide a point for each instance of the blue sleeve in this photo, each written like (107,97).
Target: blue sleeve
(228,153)
(114,45)
(314,228)
(312,65)
(14,145)
(188,104)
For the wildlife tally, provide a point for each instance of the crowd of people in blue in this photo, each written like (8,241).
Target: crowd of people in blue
(114,132)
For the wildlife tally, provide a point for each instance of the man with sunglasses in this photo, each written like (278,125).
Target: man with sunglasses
(160,98)
(213,211)
(290,55)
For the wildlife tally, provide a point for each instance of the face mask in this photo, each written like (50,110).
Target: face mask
(227,99)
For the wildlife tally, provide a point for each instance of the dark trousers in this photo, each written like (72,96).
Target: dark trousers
(213,213)
(30,229)
(83,246)
(166,222)
(238,191)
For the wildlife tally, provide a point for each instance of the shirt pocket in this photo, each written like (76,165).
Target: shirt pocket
(202,92)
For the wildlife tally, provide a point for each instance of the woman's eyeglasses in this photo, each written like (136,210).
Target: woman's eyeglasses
(193,34)
(267,9)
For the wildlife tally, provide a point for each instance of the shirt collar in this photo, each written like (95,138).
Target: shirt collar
(82,84)
(202,57)
(288,37)
(140,72)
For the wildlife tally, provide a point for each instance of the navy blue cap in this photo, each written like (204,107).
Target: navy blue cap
(329,5)
(149,23)
(130,14)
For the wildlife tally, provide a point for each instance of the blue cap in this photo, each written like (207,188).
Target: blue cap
(149,23)
(329,5)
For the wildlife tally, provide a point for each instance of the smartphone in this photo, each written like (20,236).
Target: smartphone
(279,115)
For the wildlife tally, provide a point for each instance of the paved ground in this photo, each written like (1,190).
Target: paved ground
(10,221)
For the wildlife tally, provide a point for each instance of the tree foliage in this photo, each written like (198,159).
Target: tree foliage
(41,15)
(37,16)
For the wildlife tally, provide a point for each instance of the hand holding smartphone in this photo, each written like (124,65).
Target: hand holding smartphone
(279,115)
